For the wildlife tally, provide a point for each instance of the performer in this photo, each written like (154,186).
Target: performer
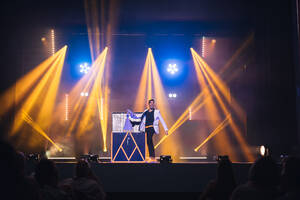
(149,124)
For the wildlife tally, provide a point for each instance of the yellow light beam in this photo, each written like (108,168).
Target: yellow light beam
(93,102)
(212,111)
(149,85)
(91,14)
(77,102)
(200,100)
(141,94)
(46,110)
(173,146)
(214,132)
(200,97)
(238,52)
(221,85)
(236,131)
(24,84)
(33,98)
(38,129)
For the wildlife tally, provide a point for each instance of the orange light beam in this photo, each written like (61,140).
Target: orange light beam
(149,90)
(202,97)
(93,102)
(163,106)
(234,127)
(46,110)
(24,84)
(182,117)
(38,129)
(35,94)
(215,132)
(85,84)
(222,87)
(212,111)
(141,94)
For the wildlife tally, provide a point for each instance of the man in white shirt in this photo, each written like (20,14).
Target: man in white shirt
(149,124)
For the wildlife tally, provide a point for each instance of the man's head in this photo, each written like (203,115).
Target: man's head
(151,103)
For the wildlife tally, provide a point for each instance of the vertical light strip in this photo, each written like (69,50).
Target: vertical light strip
(53,41)
(66,107)
(203,46)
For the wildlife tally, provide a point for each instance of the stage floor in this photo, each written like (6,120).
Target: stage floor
(153,177)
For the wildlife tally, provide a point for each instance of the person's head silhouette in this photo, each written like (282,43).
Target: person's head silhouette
(264,172)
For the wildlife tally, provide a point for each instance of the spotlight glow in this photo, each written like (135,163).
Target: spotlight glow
(172,95)
(84,68)
(262,150)
(84,94)
(172,68)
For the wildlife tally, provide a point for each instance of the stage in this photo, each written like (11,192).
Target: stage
(153,177)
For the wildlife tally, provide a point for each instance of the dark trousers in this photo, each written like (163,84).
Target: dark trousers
(150,132)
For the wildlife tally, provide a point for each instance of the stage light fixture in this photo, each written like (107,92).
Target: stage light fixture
(165,159)
(264,151)
(94,158)
(172,95)
(35,157)
(222,158)
(84,68)
(214,41)
(43,39)
(84,94)
(172,68)
(89,158)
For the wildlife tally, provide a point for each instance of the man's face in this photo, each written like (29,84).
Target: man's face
(151,104)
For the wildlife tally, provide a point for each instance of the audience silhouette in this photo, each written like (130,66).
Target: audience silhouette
(14,183)
(85,185)
(223,185)
(263,181)
(290,178)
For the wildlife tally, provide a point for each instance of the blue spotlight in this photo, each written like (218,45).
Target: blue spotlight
(172,68)
(84,68)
